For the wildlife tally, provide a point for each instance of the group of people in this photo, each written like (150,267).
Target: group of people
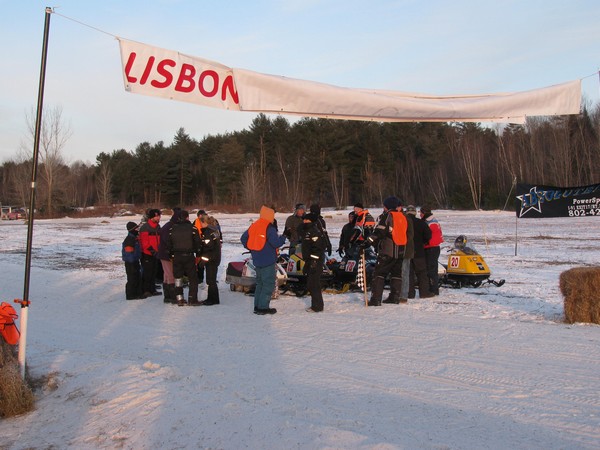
(178,249)
(407,248)
(308,238)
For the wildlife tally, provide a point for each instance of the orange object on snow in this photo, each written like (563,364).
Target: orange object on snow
(8,328)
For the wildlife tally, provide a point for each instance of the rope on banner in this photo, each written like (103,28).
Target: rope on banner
(84,24)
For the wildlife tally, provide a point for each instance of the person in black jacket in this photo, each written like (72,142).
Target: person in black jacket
(316,209)
(313,255)
(345,248)
(209,256)
(292,223)
(393,239)
(183,244)
(165,258)
(418,265)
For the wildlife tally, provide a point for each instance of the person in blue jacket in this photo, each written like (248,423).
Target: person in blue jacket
(263,240)
(131,252)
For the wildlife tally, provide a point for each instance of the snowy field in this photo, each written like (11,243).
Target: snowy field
(486,368)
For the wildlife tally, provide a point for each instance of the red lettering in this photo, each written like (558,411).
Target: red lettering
(162,70)
(215,77)
(186,75)
(229,85)
(147,70)
(130,62)
(161,76)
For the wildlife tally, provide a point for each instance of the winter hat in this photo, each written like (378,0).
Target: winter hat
(176,214)
(311,216)
(426,210)
(315,209)
(201,212)
(300,206)
(391,203)
(410,209)
(131,226)
(267,213)
(359,205)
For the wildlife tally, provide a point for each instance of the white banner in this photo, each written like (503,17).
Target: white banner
(165,73)
(168,74)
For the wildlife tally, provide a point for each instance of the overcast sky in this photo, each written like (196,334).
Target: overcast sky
(436,47)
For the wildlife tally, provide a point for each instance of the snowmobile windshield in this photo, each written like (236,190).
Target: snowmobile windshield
(469,250)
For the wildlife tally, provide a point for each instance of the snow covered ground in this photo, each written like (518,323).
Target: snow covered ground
(492,368)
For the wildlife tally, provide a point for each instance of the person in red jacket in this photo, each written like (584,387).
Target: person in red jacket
(150,240)
(432,249)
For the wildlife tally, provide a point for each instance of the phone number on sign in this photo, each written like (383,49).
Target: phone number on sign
(584,212)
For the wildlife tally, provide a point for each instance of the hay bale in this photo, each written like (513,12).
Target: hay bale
(580,288)
(15,395)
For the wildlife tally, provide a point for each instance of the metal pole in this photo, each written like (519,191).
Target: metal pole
(36,147)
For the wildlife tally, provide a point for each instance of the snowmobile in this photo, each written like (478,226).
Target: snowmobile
(346,270)
(296,279)
(338,276)
(466,267)
(241,275)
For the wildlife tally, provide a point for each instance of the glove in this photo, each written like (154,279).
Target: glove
(287,233)
(329,250)
(340,252)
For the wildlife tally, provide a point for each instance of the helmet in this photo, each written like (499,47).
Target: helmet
(460,242)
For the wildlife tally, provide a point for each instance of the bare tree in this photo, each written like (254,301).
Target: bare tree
(338,187)
(251,184)
(19,177)
(54,134)
(104,184)
(469,149)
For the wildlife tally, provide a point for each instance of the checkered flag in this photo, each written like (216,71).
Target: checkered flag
(361,276)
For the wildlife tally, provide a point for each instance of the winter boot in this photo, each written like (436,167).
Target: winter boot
(213,295)
(376,291)
(394,297)
(169,293)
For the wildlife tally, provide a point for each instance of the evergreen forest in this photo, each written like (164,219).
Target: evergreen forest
(331,162)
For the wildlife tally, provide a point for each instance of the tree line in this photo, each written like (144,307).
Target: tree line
(331,162)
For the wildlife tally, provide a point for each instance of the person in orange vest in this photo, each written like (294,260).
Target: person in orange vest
(364,223)
(263,241)
(393,240)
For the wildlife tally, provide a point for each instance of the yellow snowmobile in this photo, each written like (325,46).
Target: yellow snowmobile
(466,267)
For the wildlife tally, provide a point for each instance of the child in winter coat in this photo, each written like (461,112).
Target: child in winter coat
(130,253)
(209,257)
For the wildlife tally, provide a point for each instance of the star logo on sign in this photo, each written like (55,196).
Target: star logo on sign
(532,197)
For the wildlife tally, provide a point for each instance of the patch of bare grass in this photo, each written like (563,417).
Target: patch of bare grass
(16,397)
